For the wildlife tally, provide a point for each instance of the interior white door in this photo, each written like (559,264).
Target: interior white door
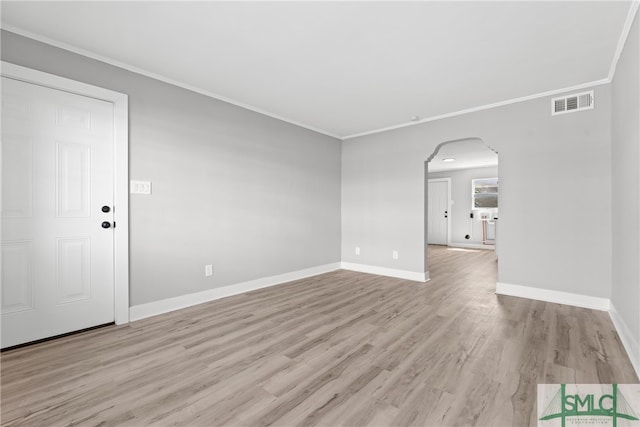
(57,183)
(437,212)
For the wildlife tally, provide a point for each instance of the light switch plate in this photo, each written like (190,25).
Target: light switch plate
(140,187)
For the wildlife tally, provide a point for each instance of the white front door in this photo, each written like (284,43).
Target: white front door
(437,212)
(57,195)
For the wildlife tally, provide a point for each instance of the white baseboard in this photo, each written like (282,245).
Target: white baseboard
(142,311)
(558,297)
(629,342)
(631,345)
(472,246)
(389,272)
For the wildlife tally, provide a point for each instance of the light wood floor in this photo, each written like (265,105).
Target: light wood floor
(342,348)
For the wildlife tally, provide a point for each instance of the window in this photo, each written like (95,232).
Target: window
(484,193)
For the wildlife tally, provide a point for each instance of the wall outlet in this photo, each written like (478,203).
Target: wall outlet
(357,250)
(208,270)
(395,254)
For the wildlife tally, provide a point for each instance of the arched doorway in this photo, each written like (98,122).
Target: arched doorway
(461,185)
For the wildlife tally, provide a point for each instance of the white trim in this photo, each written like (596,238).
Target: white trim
(557,297)
(631,345)
(121,209)
(121,169)
(124,65)
(88,54)
(472,246)
(389,272)
(483,107)
(448,181)
(633,9)
(142,311)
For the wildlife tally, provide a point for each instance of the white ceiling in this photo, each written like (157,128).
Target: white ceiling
(468,153)
(343,68)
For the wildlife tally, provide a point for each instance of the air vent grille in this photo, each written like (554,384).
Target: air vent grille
(572,103)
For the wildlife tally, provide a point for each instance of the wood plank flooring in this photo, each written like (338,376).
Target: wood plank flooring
(339,349)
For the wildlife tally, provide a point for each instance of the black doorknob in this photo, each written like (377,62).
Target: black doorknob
(106,224)
(106,209)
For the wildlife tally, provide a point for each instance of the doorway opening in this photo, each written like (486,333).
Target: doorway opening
(461,212)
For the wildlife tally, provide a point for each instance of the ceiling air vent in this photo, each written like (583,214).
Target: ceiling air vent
(571,103)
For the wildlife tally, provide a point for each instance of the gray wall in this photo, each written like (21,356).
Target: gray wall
(461,224)
(252,195)
(257,197)
(555,181)
(625,294)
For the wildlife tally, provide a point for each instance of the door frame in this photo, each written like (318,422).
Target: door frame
(121,169)
(449,203)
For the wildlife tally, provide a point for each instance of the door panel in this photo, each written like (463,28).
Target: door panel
(57,173)
(73,169)
(74,269)
(17,286)
(17,198)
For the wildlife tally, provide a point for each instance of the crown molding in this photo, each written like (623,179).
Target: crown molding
(137,70)
(483,107)
(624,35)
(635,4)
